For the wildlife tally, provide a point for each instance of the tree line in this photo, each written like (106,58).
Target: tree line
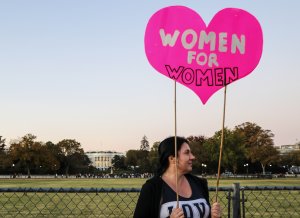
(248,148)
(27,155)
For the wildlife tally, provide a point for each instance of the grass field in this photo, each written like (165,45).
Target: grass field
(133,183)
(263,203)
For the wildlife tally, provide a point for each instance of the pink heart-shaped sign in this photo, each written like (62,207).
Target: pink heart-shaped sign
(203,58)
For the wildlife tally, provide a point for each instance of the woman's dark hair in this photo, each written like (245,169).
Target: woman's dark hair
(166,149)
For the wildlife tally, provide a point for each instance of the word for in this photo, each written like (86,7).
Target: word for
(202,58)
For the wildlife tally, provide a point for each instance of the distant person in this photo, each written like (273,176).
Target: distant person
(158,195)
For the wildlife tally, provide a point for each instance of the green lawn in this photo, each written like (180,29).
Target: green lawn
(263,203)
(72,183)
(257,182)
(133,183)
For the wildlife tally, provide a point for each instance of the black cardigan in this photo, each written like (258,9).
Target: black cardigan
(148,205)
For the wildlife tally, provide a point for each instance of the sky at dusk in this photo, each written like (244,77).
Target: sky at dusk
(77,70)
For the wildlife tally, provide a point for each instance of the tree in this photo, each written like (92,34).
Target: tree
(143,161)
(211,147)
(79,162)
(294,157)
(233,153)
(138,159)
(198,149)
(53,159)
(2,144)
(265,155)
(131,158)
(153,157)
(4,161)
(258,143)
(254,135)
(144,144)
(71,155)
(27,152)
(118,162)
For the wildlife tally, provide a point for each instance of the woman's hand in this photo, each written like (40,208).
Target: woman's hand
(216,210)
(177,213)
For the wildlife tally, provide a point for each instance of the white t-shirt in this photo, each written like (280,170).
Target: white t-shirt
(194,207)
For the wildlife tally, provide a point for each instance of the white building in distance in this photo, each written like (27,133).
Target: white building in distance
(102,159)
(285,149)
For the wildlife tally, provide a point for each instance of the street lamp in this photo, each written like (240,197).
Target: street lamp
(246,165)
(203,165)
(55,171)
(14,174)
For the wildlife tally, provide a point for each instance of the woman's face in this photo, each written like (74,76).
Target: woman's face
(185,158)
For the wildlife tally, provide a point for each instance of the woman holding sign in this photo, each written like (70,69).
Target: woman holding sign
(159,198)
